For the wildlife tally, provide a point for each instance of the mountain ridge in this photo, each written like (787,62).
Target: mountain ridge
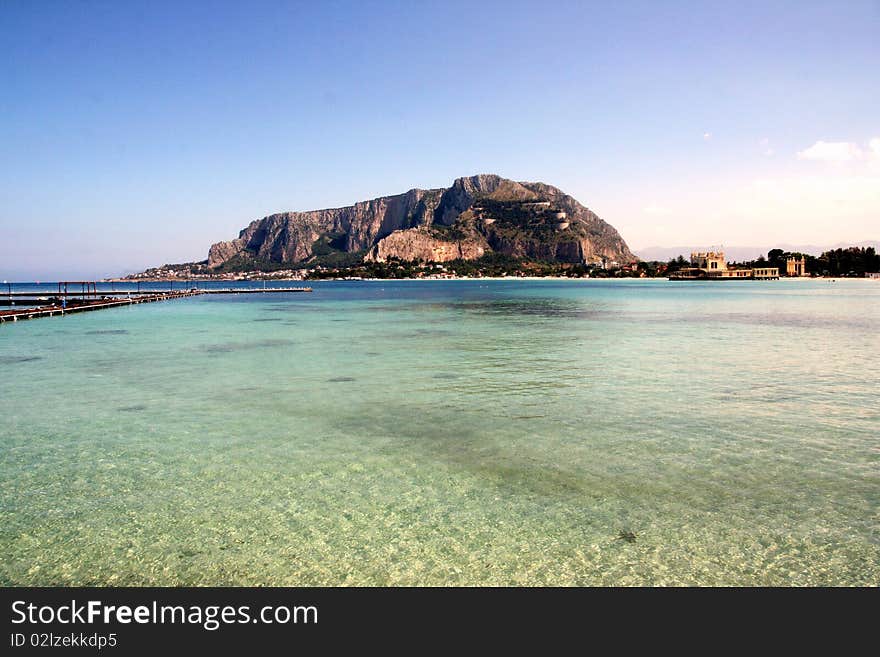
(476,215)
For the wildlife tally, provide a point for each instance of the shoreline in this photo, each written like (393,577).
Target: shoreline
(196,282)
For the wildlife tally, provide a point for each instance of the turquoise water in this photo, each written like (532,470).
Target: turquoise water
(449,432)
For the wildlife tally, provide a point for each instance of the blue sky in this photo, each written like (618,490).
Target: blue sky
(134,134)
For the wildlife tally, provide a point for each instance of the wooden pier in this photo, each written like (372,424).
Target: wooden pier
(89,302)
(132,293)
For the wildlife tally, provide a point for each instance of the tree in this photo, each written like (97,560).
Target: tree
(853,261)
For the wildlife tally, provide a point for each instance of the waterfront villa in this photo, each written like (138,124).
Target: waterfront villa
(711,265)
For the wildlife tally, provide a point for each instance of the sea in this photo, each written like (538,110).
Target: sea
(461,432)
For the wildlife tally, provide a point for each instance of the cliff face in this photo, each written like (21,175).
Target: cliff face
(289,237)
(476,215)
(420,244)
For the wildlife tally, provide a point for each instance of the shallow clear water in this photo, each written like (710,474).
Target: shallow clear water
(449,432)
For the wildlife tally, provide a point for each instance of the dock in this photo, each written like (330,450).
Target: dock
(132,293)
(101,300)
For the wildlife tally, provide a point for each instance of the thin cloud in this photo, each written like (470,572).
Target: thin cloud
(835,152)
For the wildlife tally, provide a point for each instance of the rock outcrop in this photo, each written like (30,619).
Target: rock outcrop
(476,215)
(419,244)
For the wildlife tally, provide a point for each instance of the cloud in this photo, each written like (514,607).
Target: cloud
(765,147)
(817,202)
(845,194)
(707,136)
(834,152)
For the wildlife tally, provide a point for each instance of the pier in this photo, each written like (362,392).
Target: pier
(90,299)
(131,293)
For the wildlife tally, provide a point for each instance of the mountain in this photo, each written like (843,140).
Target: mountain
(745,253)
(476,216)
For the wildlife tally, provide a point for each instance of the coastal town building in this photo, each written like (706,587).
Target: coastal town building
(711,265)
(709,261)
(795,266)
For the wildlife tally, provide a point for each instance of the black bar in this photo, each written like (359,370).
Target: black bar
(595,619)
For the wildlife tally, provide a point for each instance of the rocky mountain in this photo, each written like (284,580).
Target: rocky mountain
(475,216)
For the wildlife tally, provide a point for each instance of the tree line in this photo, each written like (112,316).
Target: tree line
(853,262)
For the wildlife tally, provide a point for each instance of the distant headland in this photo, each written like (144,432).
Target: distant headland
(482,218)
(480,226)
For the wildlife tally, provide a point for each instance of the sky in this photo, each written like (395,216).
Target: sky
(134,134)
